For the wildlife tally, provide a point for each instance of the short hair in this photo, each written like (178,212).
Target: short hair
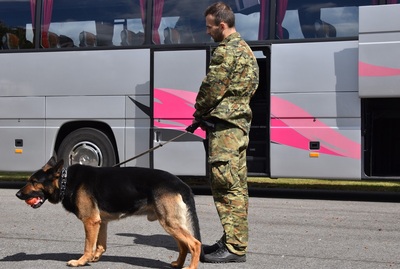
(222,13)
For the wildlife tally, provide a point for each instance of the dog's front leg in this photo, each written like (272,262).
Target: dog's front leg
(92,227)
(101,241)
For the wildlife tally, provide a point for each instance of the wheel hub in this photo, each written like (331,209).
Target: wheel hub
(86,153)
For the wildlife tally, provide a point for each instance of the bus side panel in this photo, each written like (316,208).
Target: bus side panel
(115,85)
(138,128)
(315,111)
(111,72)
(107,109)
(379,53)
(175,90)
(22,133)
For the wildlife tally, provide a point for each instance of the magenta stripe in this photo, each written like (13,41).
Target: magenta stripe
(174,108)
(370,70)
(297,131)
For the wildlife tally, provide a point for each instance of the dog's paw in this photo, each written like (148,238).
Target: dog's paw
(176,264)
(96,258)
(97,255)
(75,263)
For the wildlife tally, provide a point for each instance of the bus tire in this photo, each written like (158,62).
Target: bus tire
(87,146)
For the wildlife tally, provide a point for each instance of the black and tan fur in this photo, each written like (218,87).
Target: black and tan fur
(99,195)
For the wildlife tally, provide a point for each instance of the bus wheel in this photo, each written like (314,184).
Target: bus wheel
(87,146)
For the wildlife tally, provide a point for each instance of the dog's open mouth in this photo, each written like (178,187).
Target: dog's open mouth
(35,202)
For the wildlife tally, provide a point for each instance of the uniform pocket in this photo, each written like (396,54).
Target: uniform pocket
(221,175)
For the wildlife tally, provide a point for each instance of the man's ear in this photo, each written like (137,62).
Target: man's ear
(223,26)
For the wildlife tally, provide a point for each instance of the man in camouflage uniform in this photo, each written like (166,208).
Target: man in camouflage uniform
(223,99)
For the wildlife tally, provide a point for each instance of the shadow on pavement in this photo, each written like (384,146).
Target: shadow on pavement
(341,195)
(64,257)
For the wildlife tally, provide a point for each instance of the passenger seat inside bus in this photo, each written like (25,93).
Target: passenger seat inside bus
(312,26)
(10,41)
(129,38)
(66,42)
(171,36)
(324,29)
(87,39)
(59,41)
(54,40)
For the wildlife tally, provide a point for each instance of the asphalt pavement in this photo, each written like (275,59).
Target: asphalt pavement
(287,233)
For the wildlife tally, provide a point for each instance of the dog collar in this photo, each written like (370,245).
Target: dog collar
(63,184)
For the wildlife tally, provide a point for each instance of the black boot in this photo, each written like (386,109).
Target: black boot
(210,249)
(222,255)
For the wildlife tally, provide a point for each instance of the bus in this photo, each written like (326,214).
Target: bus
(97,82)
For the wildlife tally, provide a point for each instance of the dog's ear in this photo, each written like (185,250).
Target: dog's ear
(59,165)
(50,163)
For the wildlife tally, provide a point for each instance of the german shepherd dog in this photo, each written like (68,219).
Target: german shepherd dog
(99,195)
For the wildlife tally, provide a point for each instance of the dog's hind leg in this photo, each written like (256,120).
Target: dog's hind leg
(174,229)
(183,251)
(173,216)
(101,241)
(186,242)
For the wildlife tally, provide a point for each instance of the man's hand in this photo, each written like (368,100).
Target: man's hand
(192,127)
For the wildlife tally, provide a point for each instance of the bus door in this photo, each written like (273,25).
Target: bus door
(258,151)
(378,79)
(315,110)
(177,76)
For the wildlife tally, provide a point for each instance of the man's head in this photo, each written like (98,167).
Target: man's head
(220,21)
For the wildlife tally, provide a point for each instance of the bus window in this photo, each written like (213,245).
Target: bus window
(93,23)
(317,19)
(16,25)
(298,19)
(179,22)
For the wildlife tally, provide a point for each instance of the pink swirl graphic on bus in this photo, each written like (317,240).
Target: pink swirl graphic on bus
(300,130)
(370,70)
(174,109)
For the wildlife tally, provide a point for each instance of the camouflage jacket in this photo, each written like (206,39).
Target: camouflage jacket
(232,80)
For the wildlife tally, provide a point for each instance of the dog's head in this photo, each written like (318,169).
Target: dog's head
(43,185)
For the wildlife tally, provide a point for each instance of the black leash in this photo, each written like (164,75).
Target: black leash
(190,129)
(150,150)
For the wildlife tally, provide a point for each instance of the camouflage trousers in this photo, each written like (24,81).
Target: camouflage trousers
(227,159)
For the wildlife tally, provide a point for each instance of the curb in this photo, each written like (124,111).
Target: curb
(362,196)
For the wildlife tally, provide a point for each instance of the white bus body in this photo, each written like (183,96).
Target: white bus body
(86,82)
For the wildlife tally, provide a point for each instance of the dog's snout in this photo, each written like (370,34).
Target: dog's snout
(19,194)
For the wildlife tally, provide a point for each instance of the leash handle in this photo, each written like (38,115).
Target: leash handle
(150,150)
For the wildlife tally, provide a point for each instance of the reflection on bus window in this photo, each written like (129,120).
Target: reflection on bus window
(179,22)
(322,19)
(298,19)
(106,23)
(16,25)
(93,23)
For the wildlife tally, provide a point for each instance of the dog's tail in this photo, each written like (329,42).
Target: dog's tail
(195,219)
(189,201)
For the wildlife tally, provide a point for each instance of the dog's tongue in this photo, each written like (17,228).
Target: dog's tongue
(32,201)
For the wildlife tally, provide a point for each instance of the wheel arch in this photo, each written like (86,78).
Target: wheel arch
(69,127)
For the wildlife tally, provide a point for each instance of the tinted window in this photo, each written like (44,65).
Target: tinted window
(91,23)
(320,20)
(16,25)
(179,22)
(298,19)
